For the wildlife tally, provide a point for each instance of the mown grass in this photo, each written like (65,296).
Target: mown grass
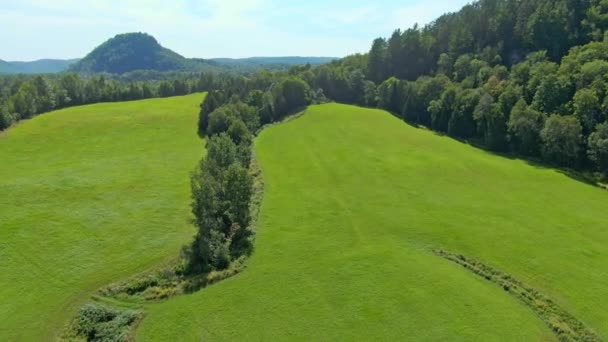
(355,202)
(90,195)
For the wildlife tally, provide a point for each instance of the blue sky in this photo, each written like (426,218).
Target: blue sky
(34,29)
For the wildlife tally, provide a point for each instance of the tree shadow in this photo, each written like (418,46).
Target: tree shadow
(587,178)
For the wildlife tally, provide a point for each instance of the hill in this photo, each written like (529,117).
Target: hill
(139,51)
(97,193)
(42,66)
(133,51)
(350,219)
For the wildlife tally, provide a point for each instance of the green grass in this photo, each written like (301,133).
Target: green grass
(356,200)
(90,195)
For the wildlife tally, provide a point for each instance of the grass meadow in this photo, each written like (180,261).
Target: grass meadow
(90,195)
(355,202)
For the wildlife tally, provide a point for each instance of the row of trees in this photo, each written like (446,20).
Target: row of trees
(221,190)
(222,186)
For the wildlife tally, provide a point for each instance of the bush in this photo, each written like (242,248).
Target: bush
(290,94)
(219,121)
(6,119)
(524,127)
(219,250)
(97,322)
(239,133)
(141,284)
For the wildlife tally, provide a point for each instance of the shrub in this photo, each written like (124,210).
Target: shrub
(97,322)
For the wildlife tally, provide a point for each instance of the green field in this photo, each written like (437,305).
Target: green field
(356,200)
(90,195)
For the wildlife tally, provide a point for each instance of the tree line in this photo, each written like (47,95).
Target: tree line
(222,185)
(25,96)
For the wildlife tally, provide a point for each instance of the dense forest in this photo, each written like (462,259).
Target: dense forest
(513,76)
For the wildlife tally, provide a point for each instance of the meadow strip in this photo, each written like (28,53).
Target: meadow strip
(562,323)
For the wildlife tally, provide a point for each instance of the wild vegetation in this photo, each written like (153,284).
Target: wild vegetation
(565,326)
(97,322)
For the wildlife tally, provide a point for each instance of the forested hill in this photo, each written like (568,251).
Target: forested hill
(524,76)
(133,51)
(139,51)
(496,31)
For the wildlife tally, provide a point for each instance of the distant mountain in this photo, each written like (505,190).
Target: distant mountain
(139,51)
(134,51)
(43,66)
(262,61)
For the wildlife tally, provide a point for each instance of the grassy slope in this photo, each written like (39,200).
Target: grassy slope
(355,199)
(89,195)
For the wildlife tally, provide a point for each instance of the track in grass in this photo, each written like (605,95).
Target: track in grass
(355,202)
(89,195)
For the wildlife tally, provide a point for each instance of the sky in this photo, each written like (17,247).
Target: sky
(35,29)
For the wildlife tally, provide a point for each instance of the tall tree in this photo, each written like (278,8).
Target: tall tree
(587,109)
(491,123)
(376,68)
(562,138)
(598,147)
(524,127)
